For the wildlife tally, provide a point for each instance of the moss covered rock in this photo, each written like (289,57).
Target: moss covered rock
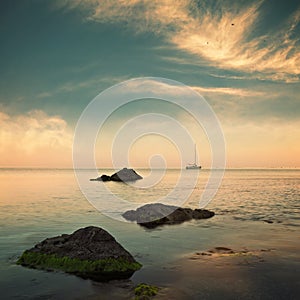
(89,252)
(145,291)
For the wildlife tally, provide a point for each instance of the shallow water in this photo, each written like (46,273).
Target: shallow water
(35,204)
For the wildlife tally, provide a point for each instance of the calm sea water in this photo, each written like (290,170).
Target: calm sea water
(35,204)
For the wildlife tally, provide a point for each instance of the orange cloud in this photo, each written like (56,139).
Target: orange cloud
(225,41)
(34,139)
(221,35)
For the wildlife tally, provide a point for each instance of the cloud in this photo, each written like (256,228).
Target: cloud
(72,86)
(34,138)
(44,95)
(225,40)
(149,85)
(146,15)
(222,34)
(228,91)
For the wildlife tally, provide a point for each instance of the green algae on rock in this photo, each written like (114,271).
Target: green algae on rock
(145,291)
(89,252)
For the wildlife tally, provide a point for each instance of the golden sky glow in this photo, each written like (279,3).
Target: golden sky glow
(242,56)
(40,140)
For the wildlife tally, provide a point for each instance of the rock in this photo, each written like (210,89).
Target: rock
(105,178)
(123,175)
(157,214)
(89,252)
(145,291)
(202,214)
(268,221)
(222,250)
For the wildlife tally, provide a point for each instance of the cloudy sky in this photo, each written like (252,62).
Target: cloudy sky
(242,56)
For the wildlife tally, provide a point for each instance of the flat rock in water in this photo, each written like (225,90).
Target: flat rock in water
(89,252)
(123,175)
(158,214)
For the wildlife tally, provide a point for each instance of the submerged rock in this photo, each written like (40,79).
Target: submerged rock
(89,252)
(123,175)
(244,254)
(157,214)
(105,178)
(145,291)
(269,221)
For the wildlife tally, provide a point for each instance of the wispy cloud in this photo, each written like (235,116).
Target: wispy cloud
(167,88)
(228,91)
(221,34)
(226,41)
(72,86)
(44,95)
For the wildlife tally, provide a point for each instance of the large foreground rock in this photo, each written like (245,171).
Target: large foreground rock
(89,252)
(124,175)
(157,214)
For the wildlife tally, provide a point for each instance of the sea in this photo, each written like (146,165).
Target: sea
(255,209)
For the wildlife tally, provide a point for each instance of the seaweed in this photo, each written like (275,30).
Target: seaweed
(145,291)
(76,266)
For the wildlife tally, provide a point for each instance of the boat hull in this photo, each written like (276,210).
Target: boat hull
(193,167)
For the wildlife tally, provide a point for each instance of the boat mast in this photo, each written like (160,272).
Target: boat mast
(195,156)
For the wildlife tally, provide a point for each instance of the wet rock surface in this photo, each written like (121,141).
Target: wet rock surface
(158,214)
(89,252)
(124,175)
(242,256)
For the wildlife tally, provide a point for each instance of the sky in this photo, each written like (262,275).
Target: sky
(242,56)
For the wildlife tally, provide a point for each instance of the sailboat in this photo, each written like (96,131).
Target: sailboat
(194,165)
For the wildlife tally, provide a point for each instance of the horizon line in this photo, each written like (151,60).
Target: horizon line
(146,168)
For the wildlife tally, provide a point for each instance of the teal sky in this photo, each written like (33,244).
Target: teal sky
(242,56)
